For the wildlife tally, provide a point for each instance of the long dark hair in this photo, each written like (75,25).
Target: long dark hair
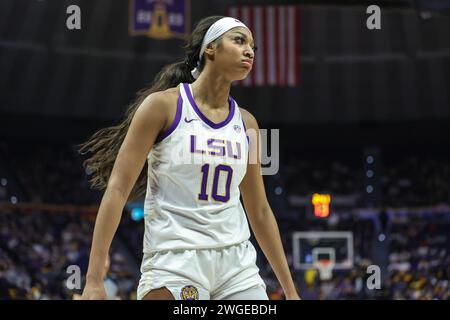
(105,143)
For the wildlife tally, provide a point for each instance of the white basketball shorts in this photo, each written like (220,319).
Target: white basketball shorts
(204,274)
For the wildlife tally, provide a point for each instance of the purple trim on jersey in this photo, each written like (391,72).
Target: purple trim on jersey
(213,125)
(175,122)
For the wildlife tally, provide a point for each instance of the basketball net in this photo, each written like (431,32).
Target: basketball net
(325,268)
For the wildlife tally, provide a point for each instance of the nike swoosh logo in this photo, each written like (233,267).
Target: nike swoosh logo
(186,119)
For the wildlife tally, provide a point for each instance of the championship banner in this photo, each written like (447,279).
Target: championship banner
(160,19)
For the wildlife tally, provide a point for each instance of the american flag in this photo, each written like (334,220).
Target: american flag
(276,32)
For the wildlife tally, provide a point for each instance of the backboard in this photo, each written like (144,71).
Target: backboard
(312,246)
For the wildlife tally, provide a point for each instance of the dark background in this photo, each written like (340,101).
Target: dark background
(381,93)
(357,85)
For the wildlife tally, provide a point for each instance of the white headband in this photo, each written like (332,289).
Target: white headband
(217,29)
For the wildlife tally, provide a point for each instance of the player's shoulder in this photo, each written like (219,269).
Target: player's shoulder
(170,92)
(164,97)
(160,102)
(249,119)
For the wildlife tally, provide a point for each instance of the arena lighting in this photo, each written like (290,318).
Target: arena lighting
(136,209)
(321,203)
(278,191)
(371,180)
(137,214)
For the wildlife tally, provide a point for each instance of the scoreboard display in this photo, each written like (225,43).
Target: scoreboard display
(321,205)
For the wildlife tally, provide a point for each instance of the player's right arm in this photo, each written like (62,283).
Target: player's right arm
(150,119)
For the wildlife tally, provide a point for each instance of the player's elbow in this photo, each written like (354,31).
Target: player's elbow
(117,190)
(261,213)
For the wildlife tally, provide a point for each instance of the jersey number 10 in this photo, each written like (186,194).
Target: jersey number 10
(218,169)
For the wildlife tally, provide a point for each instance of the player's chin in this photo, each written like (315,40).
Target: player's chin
(243,74)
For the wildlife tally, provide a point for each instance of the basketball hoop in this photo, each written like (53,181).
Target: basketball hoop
(325,267)
(324,260)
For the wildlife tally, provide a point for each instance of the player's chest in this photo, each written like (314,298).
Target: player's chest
(228,144)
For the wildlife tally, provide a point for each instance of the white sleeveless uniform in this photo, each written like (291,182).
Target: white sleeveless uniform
(196,231)
(178,213)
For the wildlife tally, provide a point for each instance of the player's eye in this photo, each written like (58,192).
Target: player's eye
(240,40)
(255,48)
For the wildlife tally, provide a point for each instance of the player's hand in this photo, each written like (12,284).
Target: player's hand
(94,292)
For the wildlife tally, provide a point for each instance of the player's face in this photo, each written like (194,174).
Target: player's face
(236,53)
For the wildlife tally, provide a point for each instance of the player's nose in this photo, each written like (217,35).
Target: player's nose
(249,53)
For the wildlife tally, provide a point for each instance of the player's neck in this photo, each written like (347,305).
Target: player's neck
(211,91)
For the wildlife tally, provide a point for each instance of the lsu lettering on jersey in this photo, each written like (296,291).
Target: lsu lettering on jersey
(194,172)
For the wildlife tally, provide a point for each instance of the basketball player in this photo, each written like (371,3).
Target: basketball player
(196,241)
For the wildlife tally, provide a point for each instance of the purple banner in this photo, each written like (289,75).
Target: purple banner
(160,19)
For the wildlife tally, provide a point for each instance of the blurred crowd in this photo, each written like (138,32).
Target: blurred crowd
(37,245)
(416,181)
(345,284)
(50,174)
(405,181)
(37,248)
(417,264)
(419,260)
(340,177)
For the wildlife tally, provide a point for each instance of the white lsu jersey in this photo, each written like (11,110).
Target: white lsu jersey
(194,172)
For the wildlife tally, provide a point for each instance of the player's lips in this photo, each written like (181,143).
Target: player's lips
(247,62)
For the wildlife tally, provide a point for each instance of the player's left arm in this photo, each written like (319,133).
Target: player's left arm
(260,214)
